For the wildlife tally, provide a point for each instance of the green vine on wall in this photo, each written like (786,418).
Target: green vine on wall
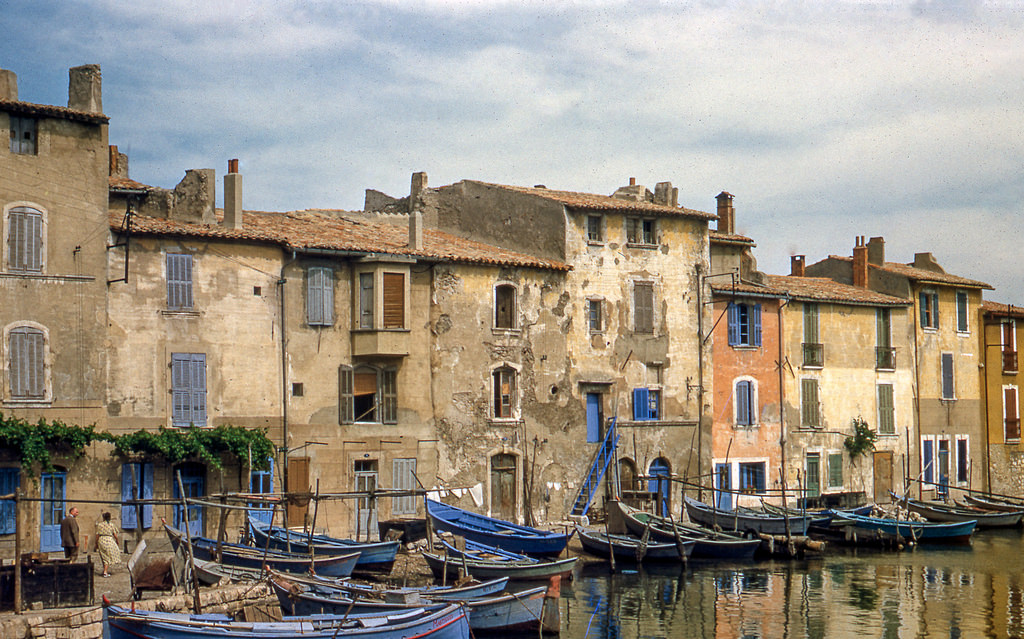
(863,439)
(36,443)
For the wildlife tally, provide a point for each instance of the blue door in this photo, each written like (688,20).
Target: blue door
(660,485)
(723,498)
(593,417)
(54,489)
(193,478)
(261,482)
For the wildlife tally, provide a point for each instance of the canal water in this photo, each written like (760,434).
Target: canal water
(930,591)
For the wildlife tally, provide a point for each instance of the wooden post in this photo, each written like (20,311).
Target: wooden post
(188,546)
(17,551)
(550,617)
(611,550)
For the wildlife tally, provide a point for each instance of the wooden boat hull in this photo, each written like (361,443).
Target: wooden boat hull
(993,503)
(953,532)
(447,622)
(210,572)
(495,532)
(631,549)
(724,546)
(472,590)
(515,571)
(745,523)
(375,557)
(943,513)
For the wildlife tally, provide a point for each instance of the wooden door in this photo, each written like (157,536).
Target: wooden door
(503,486)
(53,493)
(298,482)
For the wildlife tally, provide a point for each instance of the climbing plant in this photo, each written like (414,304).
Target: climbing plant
(34,443)
(251,447)
(863,439)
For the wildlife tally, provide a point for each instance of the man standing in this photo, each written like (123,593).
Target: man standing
(69,534)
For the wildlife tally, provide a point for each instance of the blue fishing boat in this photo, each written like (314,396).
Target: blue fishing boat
(632,549)
(495,532)
(249,557)
(446,566)
(444,622)
(374,556)
(708,544)
(326,585)
(745,521)
(922,531)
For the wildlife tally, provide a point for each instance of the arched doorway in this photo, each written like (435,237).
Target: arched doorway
(661,485)
(503,486)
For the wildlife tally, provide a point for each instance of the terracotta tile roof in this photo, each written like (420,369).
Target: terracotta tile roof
(593,202)
(813,289)
(921,275)
(313,230)
(48,111)
(729,238)
(996,309)
(126,184)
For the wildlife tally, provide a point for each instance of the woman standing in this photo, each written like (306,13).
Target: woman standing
(106,543)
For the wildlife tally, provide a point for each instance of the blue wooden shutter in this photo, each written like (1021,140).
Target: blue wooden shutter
(743,403)
(198,372)
(640,404)
(928,461)
(25,241)
(947,376)
(179,280)
(180,391)
(147,493)
(320,297)
(923,306)
(734,324)
(27,374)
(756,325)
(143,490)
(9,480)
(128,521)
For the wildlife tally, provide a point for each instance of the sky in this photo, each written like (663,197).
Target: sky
(826,120)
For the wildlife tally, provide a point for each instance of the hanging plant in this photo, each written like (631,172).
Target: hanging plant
(251,447)
(35,442)
(863,439)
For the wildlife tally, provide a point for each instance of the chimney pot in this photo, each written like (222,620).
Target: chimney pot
(860,263)
(726,213)
(796,265)
(233,166)
(632,181)
(85,89)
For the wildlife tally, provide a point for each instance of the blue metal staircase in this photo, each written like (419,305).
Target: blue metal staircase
(603,456)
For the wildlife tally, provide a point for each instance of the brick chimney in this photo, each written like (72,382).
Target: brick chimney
(796,265)
(84,89)
(876,251)
(726,213)
(860,263)
(233,196)
(418,184)
(8,85)
(416,231)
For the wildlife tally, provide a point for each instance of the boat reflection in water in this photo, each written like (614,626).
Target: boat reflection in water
(969,591)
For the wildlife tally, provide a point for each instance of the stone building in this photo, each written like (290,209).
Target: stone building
(1002,327)
(53,279)
(616,336)
(949,432)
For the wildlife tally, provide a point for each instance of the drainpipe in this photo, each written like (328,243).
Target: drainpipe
(281,281)
(782,416)
(700,380)
(917,395)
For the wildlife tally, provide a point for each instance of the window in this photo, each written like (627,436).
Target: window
(404,478)
(179,281)
(261,482)
(809,407)
(366,300)
(746,403)
(814,355)
(929,303)
(643,307)
(594,233)
(752,477)
(947,376)
(27,362)
(10,479)
(503,383)
(744,324)
(639,230)
(886,410)
(25,240)
(835,470)
(136,483)
(394,300)
(1009,343)
(646,404)
(963,460)
(505,306)
(24,132)
(188,389)
(961,312)
(368,395)
(928,461)
(594,319)
(1011,414)
(320,296)
(885,354)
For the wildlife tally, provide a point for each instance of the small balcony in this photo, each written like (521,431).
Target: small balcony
(1009,361)
(390,343)
(814,355)
(885,358)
